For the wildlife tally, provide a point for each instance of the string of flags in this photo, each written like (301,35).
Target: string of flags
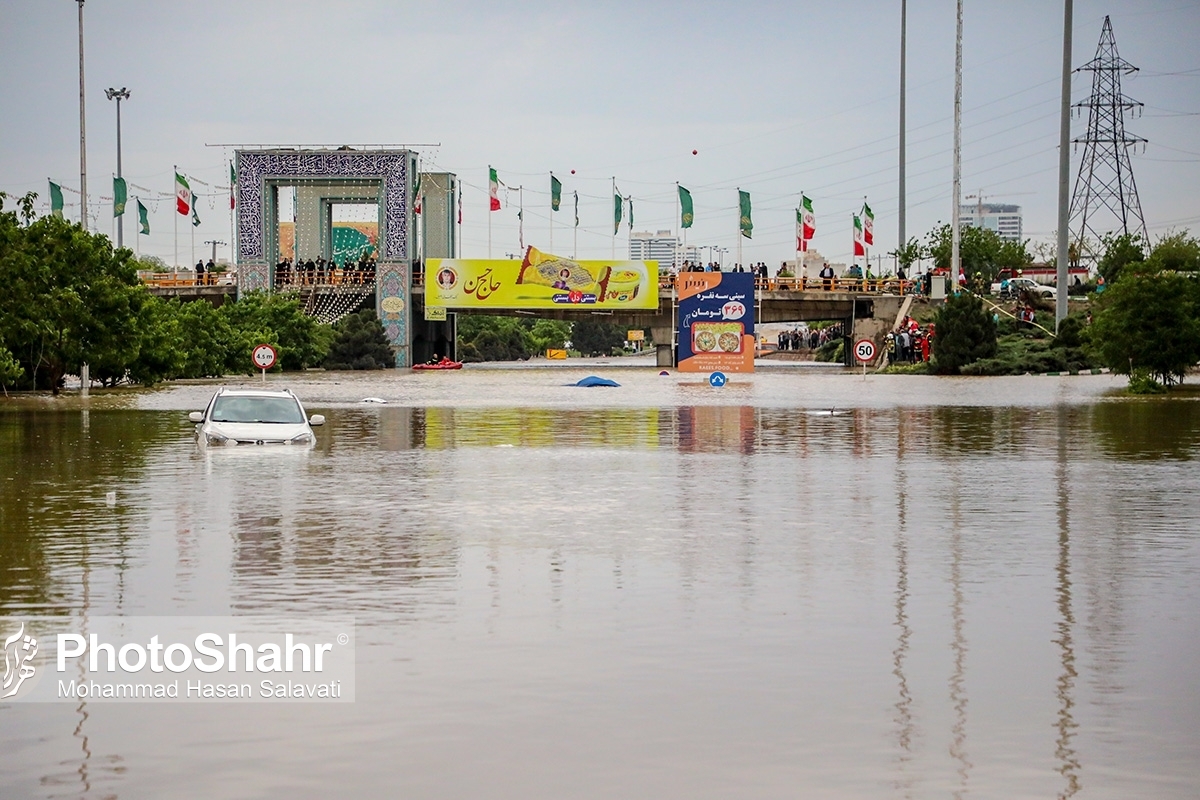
(863,222)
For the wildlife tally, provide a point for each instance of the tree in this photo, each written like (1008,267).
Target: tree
(549,334)
(1120,253)
(277,320)
(592,336)
(908,254)
(981,251)
(1150,322)
(1176,252)
(966,333)
(68,300)
(360,342)
(10,370)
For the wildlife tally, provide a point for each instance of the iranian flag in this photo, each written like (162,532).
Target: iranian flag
(232,186)
(494,189)
(860,249)
(868,224)
(183,195)
(809,219)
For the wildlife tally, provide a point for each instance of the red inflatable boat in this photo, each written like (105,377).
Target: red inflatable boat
(445,363)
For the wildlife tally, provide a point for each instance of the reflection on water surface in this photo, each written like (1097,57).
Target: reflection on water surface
(690,600)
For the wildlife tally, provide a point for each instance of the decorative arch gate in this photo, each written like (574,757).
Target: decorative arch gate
(331,176)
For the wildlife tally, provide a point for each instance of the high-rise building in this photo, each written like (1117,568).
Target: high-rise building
(1003,219)
(662,247)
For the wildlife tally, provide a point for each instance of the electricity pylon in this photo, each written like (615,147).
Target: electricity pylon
(1105,181)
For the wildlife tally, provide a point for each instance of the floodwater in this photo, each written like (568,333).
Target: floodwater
(803,584)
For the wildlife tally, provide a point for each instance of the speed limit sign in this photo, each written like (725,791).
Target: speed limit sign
(864,350)
(264,356)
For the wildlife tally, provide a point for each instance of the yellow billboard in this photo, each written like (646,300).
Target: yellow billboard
(541,280)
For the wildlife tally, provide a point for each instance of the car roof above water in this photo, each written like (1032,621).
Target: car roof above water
(255,392)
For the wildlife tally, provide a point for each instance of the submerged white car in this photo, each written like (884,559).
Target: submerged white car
(254,417)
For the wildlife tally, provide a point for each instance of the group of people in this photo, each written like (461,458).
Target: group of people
(810,338)
(206,274)
(320,272)
(909,343)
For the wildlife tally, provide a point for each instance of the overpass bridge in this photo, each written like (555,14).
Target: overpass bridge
(867,309)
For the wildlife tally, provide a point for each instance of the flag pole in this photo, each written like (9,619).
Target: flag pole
(575,242)
(613,255)
(551,211)
(489,210)
(678,229)
(739,226)
(800,240)
(866,253)
(175,266)
(232,226)
(521,218)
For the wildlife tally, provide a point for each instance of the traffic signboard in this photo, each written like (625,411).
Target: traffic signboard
(864,350)
(264,356)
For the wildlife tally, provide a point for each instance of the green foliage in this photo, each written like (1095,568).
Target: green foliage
(917,368)
(966,333)
(149,264)
(485,338)
(360,342)
(68,299)
(550,334)
(832,351)
(1030,351)
(277,320)
(909,254)
(1176,252)
(982,252)
(594,336)
(10,370)
(1151,322)
(1142,382)
(1120,252)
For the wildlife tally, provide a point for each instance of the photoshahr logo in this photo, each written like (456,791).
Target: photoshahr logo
(19,650)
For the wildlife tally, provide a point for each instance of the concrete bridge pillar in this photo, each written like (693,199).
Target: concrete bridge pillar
(664,345)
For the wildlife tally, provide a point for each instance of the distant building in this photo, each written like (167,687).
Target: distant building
(661,247)
(1003,219)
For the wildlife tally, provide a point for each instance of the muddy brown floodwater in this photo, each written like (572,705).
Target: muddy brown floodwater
(803,584)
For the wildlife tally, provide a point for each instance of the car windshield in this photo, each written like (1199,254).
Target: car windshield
(257,409)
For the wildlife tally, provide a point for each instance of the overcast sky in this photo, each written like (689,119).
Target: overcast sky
(777,98)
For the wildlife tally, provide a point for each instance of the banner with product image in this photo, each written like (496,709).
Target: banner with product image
(716,322)
(540,280)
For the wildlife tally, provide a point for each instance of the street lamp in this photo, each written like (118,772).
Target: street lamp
(82,132)
(118,95)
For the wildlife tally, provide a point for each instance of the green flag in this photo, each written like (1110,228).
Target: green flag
(118,196)
(143,219)
(56,201)
(576,209)
(618,201)
(195,216)
(744,219)
(687,215)
(555,192)
(630,201)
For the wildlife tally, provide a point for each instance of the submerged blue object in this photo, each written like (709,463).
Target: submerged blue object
(592,380)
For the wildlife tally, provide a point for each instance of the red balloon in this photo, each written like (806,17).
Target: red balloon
(572,172)
(694,152)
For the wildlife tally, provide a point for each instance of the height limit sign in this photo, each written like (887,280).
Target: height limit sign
(264,357)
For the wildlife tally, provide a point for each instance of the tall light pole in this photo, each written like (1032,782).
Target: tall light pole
(1064,170)
(119,95)
(903,88)
(82,132)
(955,237)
